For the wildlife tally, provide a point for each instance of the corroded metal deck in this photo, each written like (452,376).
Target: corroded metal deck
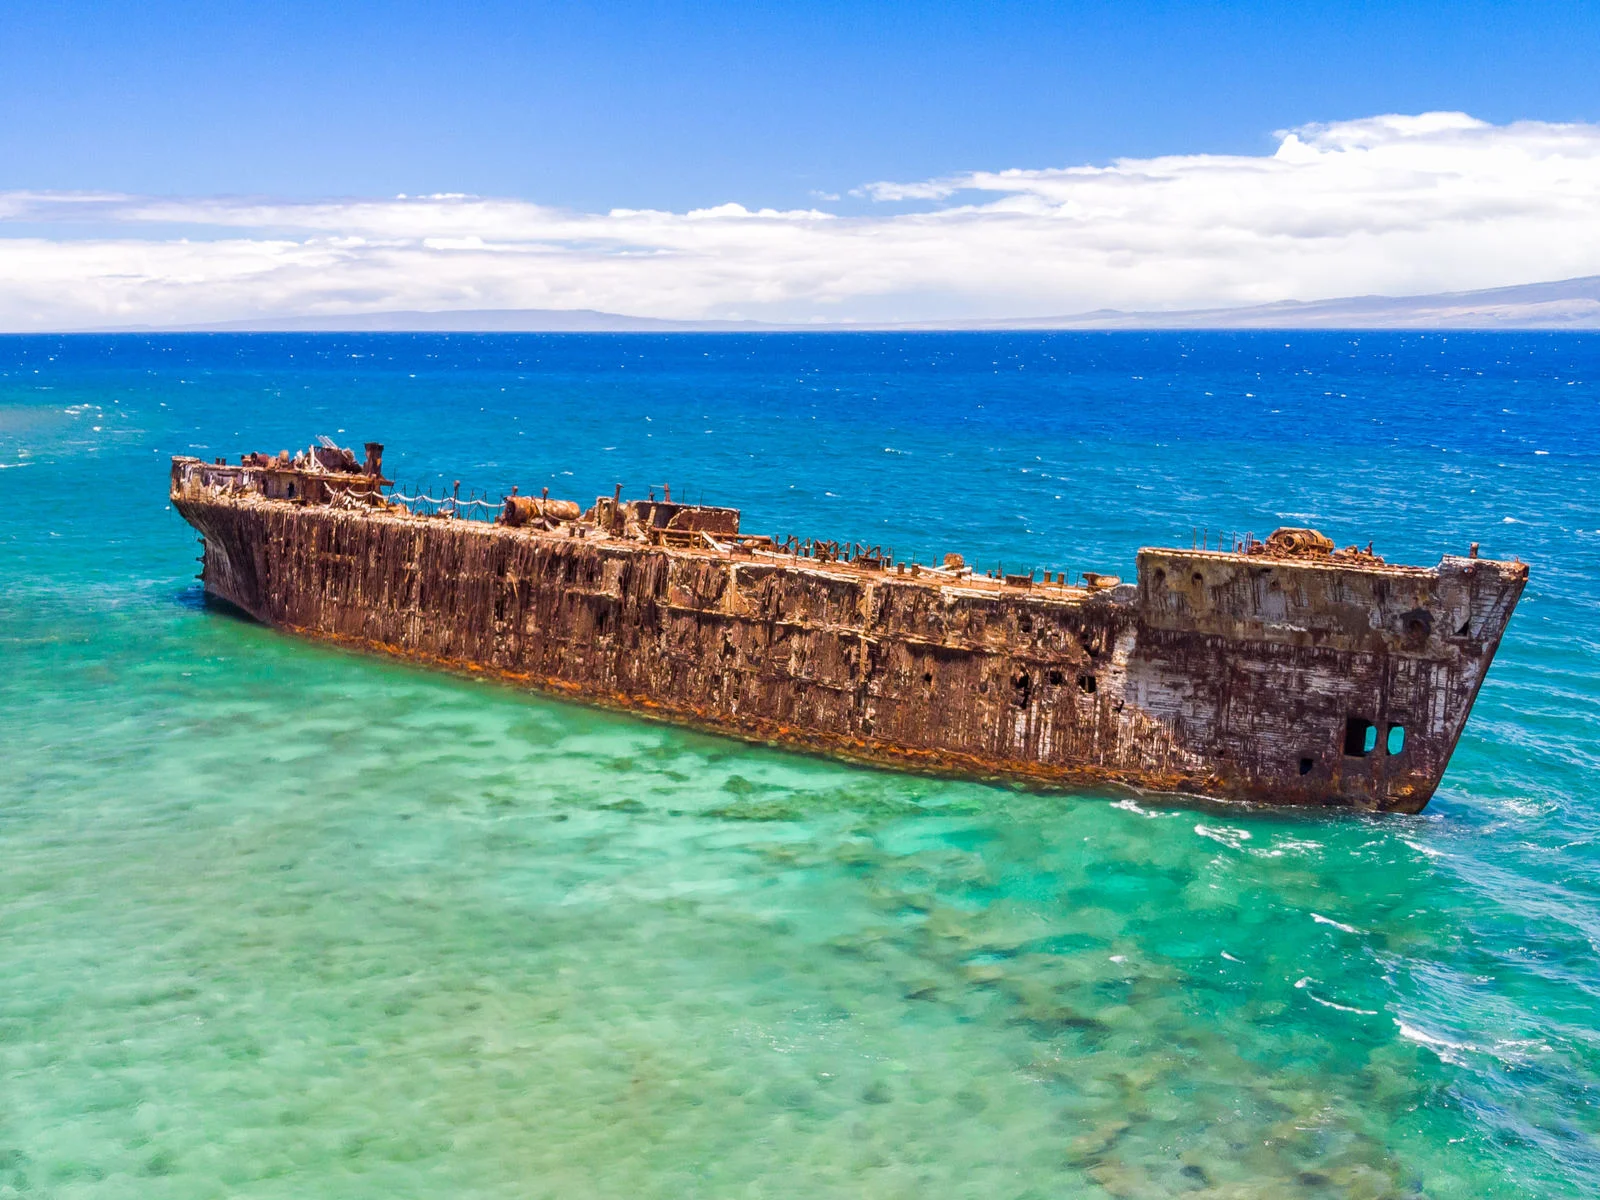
(1283,672)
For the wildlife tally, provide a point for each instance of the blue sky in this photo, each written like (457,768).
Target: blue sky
(172,163)
(673,105)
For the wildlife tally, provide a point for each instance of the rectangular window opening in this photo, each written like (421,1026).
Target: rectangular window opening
(1360,737)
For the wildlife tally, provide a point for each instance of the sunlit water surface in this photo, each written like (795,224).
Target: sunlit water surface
(283,921)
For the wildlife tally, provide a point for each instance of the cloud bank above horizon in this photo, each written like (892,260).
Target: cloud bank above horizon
(1391,205)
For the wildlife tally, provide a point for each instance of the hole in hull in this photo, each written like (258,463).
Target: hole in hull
(1022,685)
(1360,737)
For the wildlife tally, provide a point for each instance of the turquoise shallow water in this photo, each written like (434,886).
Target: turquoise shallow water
(279,920)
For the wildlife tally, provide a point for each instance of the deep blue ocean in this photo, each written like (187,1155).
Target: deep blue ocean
(280,920)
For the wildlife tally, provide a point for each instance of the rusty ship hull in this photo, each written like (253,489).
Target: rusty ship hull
(1289,679)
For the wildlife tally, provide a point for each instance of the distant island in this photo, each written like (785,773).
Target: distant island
(1566,304)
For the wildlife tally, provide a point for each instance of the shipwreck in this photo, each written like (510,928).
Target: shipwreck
(1281,670)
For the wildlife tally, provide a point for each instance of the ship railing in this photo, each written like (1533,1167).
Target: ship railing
(423,503)
(822,553)
(197,476)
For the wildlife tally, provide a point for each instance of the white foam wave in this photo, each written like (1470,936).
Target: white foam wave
(1303,984)
(1421,849)
(1133,806)
(1365,1012)
(1322,920)
(1447,1050)
(1234,839)
(1296,845)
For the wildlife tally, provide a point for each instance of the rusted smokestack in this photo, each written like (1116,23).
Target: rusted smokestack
(374,465)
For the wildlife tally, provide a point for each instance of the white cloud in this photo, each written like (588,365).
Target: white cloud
(1390,204)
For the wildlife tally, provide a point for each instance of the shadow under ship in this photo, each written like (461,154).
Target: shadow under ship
(1282,671)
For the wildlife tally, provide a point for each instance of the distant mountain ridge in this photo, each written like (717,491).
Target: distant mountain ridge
(1572,304)
(1563,304)
(464,320)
